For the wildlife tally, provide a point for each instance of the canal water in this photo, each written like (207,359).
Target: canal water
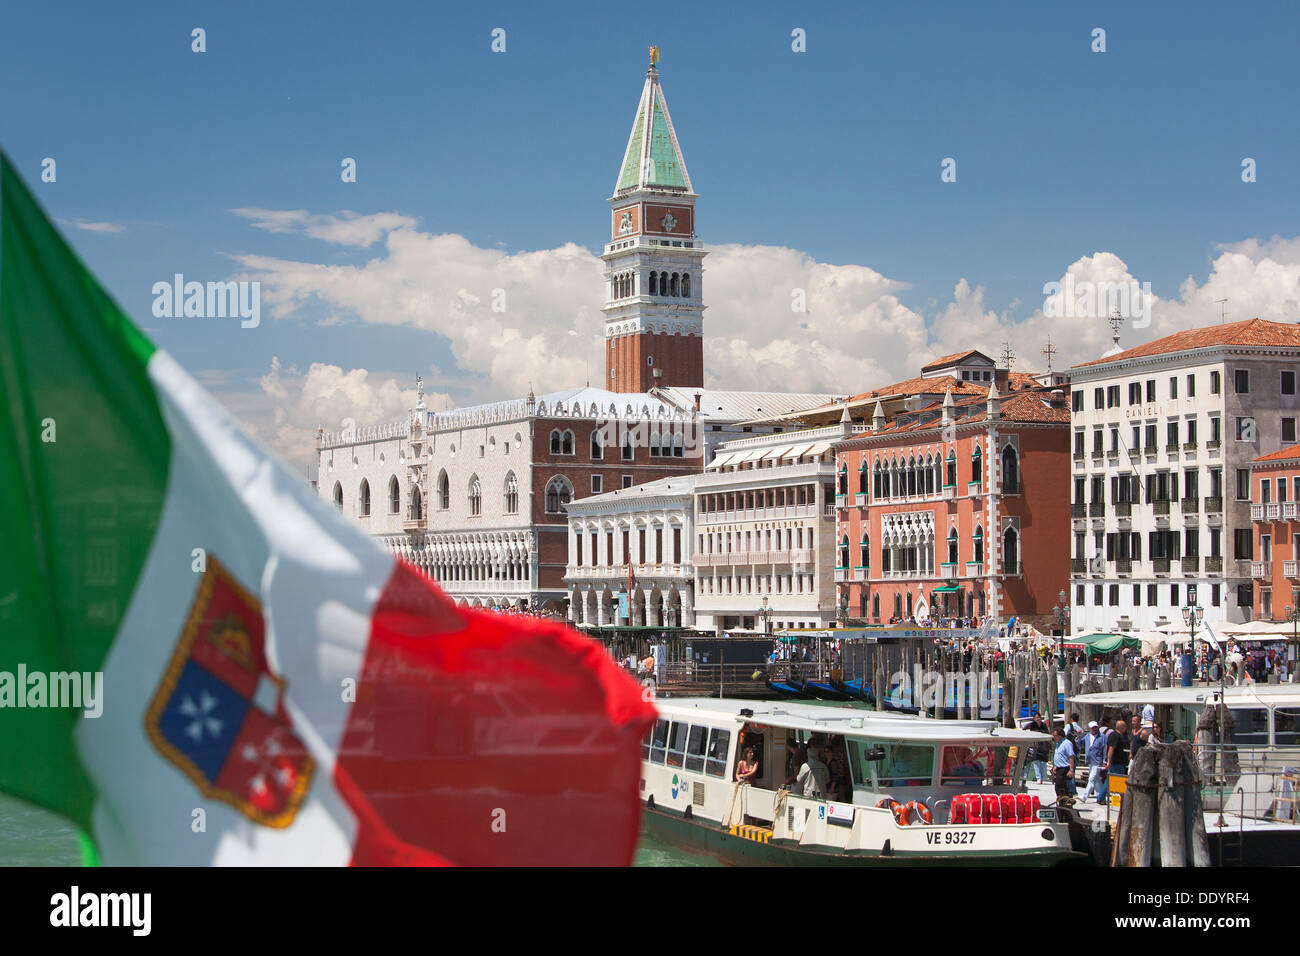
(32,837)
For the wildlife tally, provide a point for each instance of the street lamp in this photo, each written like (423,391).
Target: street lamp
(1193,615)
(844,606)
(1061,610)
(766,614)
(1293,615)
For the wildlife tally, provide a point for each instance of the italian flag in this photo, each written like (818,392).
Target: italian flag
(276,687)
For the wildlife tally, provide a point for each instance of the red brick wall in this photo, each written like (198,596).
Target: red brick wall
(679,357)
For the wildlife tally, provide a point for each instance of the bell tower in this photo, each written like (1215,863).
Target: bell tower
(654,311)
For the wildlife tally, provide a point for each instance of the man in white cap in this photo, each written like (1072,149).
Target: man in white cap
(1094,752)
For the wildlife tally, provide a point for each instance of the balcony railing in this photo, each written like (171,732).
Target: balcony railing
(1261,569)
(1256,512)
(1079,510)
(1160,507)
(1213,445)
(1189,446)
(1190,565)
(1123,509)
(1078,565)
(1097,509)
(1190,505)
(844,575)
(1214,505)
(948,569)
(1135,453)
(1160,565)
(1290,510)
(974,569)
(1291,569)
(1273,510)
(1123,565)
(1214,565)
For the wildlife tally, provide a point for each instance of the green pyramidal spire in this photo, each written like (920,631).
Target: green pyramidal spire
(653,159)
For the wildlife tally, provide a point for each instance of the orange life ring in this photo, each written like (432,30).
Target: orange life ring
(903,812)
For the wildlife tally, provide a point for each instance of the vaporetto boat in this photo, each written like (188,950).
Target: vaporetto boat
(895,771)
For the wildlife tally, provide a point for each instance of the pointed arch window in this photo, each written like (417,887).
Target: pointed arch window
(1011,552)
(558,494)
(979,544)
(865,551)
(512,494)
(952,546)
(416,511)
(1010,471)
(597,445)
(876,484)
(843,479)
(363,499)
(338,495)
(686,284)
(555,441)
(443,491)
(844,552)
(475,497)
(673,284)
(977,465)
(654,283)
(394,496)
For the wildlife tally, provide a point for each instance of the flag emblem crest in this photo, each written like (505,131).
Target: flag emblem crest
(219,713)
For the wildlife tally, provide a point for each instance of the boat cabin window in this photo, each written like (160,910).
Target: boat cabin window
(964,765)
(719,744)
(677,744)
(659,741)
(1250,726)
(1286,725)
(695,742)
(902,765)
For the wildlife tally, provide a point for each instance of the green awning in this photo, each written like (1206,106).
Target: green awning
(1104,643)
(947,588)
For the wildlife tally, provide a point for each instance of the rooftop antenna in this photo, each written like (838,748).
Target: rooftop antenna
(1116,323)
(1049,350)
(1223,310)
(1008,356)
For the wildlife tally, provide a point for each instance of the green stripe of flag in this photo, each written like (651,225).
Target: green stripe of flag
(79,512)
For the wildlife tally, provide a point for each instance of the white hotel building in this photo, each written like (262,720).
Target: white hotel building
(765,529)
(1163,436)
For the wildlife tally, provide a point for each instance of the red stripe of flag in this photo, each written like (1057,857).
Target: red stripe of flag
(486,739)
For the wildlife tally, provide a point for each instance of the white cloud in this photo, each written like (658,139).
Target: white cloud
(511,319)
(346,228)
(87,226)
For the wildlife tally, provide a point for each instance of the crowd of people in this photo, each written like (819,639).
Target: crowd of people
(1102,750)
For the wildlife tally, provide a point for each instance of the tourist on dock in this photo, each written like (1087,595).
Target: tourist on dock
(1062,762)
(797,757)
(1094,752)
(1117,749)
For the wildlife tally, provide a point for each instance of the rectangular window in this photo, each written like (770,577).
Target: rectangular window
(1216,542)
(627,481)
(1137,439)
(1216,594)
(1152,598)
(1241,381)
(677,743)
(1135,393)
(1191,431)
(1096,595)
(1114,440)
(1214,383)
(1171,435)
(1151,390)
(1079,594)
(1288,382)
(719,743)
(1150,438)
(1076,401)
(1173,594)
(1078,443)
(1114,595)
(627,449)
(1191,385)
(1098,398)
(696,744)
(1173,387)
(1137,595)
(1096,440)
(1243,484)
(1216,429)
(1112,396)
(1243,544)
(597,484)
(1288,430)
(659,741)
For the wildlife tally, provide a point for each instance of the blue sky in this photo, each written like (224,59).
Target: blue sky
(1061,152)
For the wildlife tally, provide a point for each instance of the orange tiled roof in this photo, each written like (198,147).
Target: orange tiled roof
(954,357)
(1027,407)
(1251,332)
(1282,454)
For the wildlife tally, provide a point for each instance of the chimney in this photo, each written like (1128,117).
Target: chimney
(993,404)
(697,401)
(846,423)
(949,410)
(878,417)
